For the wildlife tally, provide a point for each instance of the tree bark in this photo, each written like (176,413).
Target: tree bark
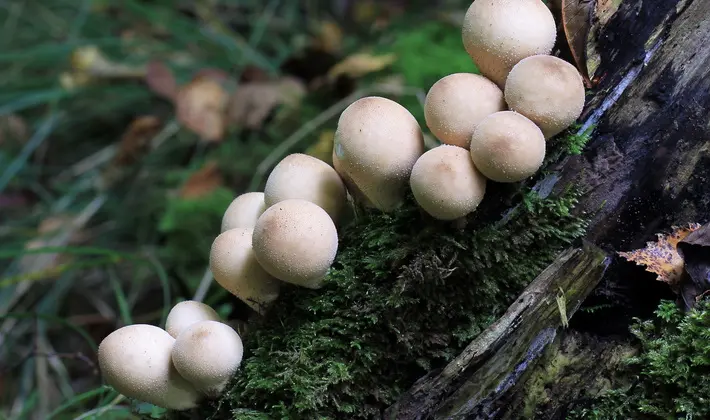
(645,170)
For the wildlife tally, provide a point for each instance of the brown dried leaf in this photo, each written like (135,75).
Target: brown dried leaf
(201,106)
(160,80)
(360,64)
(136,138)
(13,130)
(202,182)
(576,21)
(662,257)
(252,103)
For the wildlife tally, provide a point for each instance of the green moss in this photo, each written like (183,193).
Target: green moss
(405,295)
(672,370)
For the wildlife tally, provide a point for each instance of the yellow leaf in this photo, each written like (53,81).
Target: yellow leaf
(330,37)
(323,148)
(358,65)
(662,257)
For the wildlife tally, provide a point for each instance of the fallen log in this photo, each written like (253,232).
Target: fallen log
(645,170)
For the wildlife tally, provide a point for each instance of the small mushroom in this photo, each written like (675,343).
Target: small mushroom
(235,268)
(187,313)
(547,90)
(459,101)
(446,184)
(243,211)
(376,144)
(296,242)
(136,361)
(208,354)
(507,147)
(308,178)
(497,34)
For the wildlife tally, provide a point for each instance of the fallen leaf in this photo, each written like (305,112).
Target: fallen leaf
(576,21)
(252,103)
(92,61)
(323,148)
(136,138)
(13,130)
(201,105)
(329,37)
(695,251)
(160,80)
(252,73)
(202,182)
(662,257)
(360,64)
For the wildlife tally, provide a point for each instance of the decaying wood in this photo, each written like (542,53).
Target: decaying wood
(646,169)
(492,363)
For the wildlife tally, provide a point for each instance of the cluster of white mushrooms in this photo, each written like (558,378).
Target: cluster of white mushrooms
(493,126)
(194,357)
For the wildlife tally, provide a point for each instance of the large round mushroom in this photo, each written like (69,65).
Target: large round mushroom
(547,90)
(186,313)
(235,268)
(136,361)
(243,211)
(446,184)
(507,147)
(296,241)
(497,34)
(376,145)
(208,354)
(459,101)
(302,176)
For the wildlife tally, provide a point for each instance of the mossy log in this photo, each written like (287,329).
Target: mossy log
(645,170)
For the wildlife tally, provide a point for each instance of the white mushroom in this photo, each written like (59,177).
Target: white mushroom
(547,90)
(507,147)
(208,354)
(376,144)
(308,178)
(235,268)
(497,34)
(446,184)
(187,313)
(296,241)
(136,361)
(243,211)
(459,101)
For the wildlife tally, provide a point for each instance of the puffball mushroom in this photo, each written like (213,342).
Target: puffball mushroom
(459,101)
(376,144)
(235,268)
(497,34)
(187,313)
(243,211)
(136,361)
(547,90)
(507,147)
(296,241)
(446,184)
(308,178)
(207,354)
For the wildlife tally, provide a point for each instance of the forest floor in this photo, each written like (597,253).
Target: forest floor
(125,132)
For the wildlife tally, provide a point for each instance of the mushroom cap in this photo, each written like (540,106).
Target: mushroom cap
(187,313)
(446,184)
(136,361)
(547,90)
(459,101)
(243,211)
(507,147)
(208,354)
(376,144)
(308,178)
(235,268)
(296,241)
(497,34)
